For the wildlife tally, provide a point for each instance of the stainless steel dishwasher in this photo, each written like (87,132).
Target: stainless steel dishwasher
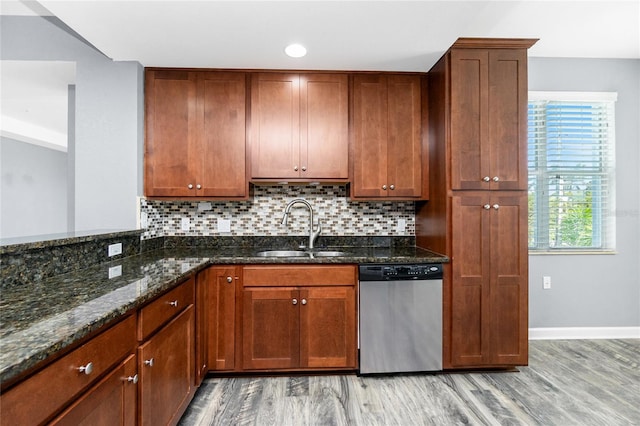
(400,318)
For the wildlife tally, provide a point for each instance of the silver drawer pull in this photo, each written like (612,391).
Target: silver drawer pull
(174,303)
(496,206)
(392,187)
(486,178)
(87,369)
(229,279)
(132,379)
(304,168)
(496,178)
(149,362)
(190,186)
(294,301)
(384,187)
(304,301)
(198,186)
(486,206)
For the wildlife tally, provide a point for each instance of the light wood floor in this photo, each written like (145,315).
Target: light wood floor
(576,382)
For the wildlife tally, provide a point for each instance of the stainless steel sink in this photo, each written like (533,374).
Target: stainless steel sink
(328,253)
(282,253)
(299,253)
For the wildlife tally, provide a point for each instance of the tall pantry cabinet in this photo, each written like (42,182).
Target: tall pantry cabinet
(477,211)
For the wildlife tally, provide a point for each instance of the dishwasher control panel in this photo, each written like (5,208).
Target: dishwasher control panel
(396,272)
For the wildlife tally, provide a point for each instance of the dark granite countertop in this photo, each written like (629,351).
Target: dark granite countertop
(40,319)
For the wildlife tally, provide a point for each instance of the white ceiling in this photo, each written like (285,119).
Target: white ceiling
(343,35)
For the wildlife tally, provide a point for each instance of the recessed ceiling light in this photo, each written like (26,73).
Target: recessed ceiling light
(295,50)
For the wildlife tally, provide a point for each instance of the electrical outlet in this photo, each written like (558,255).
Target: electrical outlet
(115,271)
(185,224)
(224,225)
(144,221)
(546,282)
(204,206)
(115,249)
(402,225)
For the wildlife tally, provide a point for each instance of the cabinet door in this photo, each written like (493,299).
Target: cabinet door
(275,125)
(270,323)
(221,315)
(327,327)
(222,155)
(202,327)
(509,279)
(489,287)
(166,371)
(489,119)
(171,135)
(370,130)
(111,402)
(324,137)
(404,168)
(470,282)
(469,119)
(508,118)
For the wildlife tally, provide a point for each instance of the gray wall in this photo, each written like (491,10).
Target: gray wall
(595,290)
(33,196)
(109,119)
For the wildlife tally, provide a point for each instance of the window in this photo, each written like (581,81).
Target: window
(571,171)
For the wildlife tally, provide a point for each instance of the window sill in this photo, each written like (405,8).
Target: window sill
(570,252)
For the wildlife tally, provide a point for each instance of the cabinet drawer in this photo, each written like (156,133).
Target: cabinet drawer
(295,275)
(167,306)
(42,395)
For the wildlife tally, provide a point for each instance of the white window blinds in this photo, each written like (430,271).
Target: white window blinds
(571,140)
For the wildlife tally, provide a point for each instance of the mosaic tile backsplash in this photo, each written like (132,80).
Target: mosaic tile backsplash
(262,215)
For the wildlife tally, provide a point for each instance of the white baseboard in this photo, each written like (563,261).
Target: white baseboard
(556,333)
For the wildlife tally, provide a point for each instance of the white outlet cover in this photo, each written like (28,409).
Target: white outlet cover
(224,225)
(402,225)
(204,206)
(115,249)
(115,271)
(144,221)
(185,224)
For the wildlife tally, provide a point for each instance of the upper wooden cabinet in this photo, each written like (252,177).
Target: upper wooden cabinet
(195,134)
(299,126)
(488,119)
(386,136)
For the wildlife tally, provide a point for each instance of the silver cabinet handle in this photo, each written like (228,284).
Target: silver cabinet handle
(384,187)
(190,186)
(132,379)
(295,168)
(392,187)
(496,178)
(174,303)
(304,168)
(229,279)
(294,301)
(149,362)
(496,206)
(304,301)
(86,369)
(486,178)
(486,206)
(198,186)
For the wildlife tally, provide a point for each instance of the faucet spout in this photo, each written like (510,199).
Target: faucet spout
(313,234)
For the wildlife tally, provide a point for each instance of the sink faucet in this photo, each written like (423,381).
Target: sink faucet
(312,234)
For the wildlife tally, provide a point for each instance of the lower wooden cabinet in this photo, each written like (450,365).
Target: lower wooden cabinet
(166,371)
(72,378)
(311,325)
(218,330)
(110,402)
(489,280)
